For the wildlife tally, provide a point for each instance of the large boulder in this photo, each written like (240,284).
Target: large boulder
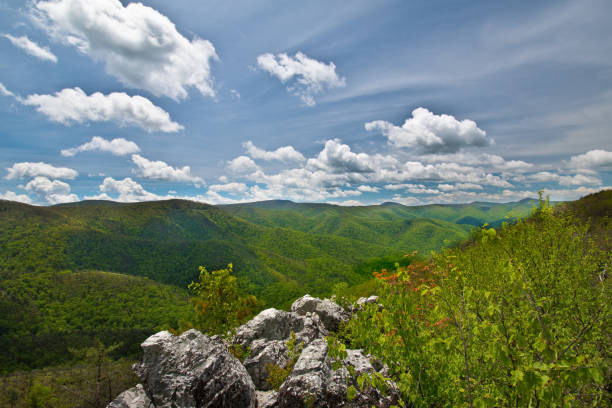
(314,383)
(135,397)
(266,336)
(330,313)
(193,370)
(273,324)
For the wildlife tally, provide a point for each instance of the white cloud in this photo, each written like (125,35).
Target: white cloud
(31,48)
(578,180)
(138,45)
(243,165)
(368,189)
(284,153)
(459,186)
(73,105)
(311,76)
(54,192)
(117,147)
(127,189)
(30,169)
(4,91)
(232,188)
(491,161)
(406,200)
(12,196)
(348,203)
(434,133)
(160,170)
(514,195)
(592,159)
(337,157)
(235,94)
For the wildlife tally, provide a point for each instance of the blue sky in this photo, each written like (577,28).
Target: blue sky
(352,103)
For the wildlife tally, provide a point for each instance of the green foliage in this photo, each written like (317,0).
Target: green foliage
(219,306)
(43,315)
(281,250)
(40,396)
(76,385)
(241,353)
(276,374)
(520,317)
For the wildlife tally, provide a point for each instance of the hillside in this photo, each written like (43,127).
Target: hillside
(518,316)
(279,249)
(44,315)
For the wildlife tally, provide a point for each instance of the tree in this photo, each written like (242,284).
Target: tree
(219,306)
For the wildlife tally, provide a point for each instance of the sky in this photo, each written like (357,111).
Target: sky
(350,103)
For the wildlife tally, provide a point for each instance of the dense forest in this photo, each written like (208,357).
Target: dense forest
(61,315)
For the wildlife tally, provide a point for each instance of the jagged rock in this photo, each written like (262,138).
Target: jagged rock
(266,336)
(313,382)
(330,313)
(135,397)
(361,302)
(193,370)
(267,399)
(263,353)
(273,324)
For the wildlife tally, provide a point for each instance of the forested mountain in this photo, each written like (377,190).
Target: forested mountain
(279,249)
(53,295)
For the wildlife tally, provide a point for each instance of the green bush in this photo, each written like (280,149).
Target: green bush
(519,317)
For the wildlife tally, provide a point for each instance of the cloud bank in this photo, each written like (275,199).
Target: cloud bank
(30,47)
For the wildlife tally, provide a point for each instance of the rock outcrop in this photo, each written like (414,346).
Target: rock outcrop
(194,370)
(135,397)
(266,335)
(330,313)
(314,383)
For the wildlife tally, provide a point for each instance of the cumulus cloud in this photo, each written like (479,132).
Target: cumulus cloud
(4,91)
(459,186)
(307,77)
(575,180)
(232,188)
(412,188)
(137,44)
(54,192)
(12,196)
(592,159)
(127,190)
(578,180)
(368,189)
(73,105)
(160,170)
(30,47)
(35,169)
(284,153)
(117,147)
(434,133)
(491,161)
(337,157)
(243,165)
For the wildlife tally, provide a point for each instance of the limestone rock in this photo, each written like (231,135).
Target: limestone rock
(266,336)
(313,382)
(263,353)
(135,397)
(330,313)
(193,370)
